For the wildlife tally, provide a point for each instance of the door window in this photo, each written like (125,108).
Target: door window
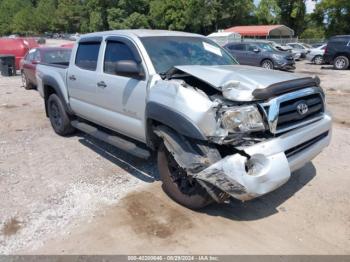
(30,55)
(239,47)
(36,56)
(115,52)
(87,55)
(252,47)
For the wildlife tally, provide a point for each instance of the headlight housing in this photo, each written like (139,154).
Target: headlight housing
(242,119)
(278,57)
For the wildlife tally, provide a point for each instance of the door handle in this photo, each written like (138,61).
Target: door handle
(101,84)
(72,77)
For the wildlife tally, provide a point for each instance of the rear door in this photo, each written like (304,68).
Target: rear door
(81,78)
(239,52)
(122,99)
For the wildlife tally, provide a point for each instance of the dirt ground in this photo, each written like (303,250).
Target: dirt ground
(77,195)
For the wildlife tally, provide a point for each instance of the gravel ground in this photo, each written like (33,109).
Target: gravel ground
(47,181)
(77,195)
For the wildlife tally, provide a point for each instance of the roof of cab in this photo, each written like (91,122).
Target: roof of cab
(140,33)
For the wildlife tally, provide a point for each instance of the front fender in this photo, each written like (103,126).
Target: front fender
(183,108)
(174,119)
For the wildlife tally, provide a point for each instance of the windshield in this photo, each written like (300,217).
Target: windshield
(266,47)
(169,51)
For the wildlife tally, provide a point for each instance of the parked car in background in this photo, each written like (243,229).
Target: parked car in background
(337,52)
(18,47)
(47,55)
(316,55)
(74,37)
(261,53)
(315,45)
(299,48)
(296,54)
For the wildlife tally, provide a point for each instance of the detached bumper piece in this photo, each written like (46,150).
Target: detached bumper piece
(246,179)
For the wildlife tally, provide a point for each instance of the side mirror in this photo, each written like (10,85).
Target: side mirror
(256,50)
(128,68)
(35,62)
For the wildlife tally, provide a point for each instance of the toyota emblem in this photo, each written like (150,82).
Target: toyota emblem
(302,108)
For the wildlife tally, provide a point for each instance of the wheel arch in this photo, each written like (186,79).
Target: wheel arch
(267,58)
(50,86)
(341,54)
(158,114)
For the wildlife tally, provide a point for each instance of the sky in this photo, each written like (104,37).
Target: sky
(310,5)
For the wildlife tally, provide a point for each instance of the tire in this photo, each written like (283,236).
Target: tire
(196,198)
(318,60)
(267,64)
(341,63)
(25,82)
(59,118)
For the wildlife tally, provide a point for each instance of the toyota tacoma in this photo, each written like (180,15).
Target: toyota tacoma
(219,129)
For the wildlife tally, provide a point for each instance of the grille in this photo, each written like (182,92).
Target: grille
(288,113)
(295,109)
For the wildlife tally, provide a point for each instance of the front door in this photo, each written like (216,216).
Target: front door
(122,99)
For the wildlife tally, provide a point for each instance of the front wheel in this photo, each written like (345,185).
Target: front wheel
(59,118)
(25,82)
(178,185)
(341,62)
(267,64)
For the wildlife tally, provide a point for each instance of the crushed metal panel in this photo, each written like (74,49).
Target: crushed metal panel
(246,179)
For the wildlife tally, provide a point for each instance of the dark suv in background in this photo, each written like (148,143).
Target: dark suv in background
(261,54)
(338,52)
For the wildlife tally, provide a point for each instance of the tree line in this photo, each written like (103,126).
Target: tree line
(199,16)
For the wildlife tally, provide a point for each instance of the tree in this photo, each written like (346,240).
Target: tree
(24,21)
(293,14)
(129,14)
(168,14)
(268,12)
(8,10)
(70,15)
(333,16)
(98,14)
(45,15)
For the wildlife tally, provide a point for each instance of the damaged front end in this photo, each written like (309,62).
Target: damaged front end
(240,156)
(239,175)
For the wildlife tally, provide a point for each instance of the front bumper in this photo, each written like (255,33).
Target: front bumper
(271,162)
(285,64)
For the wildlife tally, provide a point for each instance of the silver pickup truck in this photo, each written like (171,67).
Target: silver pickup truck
(220,129)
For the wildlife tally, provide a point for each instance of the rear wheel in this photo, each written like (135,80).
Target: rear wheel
(178,185)
(318,60)
(59,118)
(341,62)
(267,64)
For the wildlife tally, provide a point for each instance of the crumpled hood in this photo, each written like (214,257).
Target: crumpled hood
(250,78)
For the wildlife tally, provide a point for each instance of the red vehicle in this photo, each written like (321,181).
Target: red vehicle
(48,55)
(18,47)
(68,45)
